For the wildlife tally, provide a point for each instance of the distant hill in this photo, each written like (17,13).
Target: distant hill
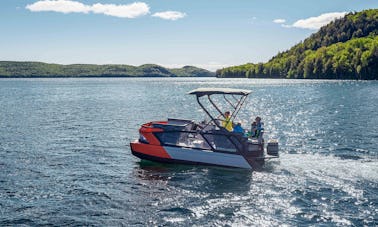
(346,48)
(39,69)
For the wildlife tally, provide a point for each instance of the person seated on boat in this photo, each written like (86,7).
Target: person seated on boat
(227,123)
(239,129)
(257,128)
(259,123)
(253,131)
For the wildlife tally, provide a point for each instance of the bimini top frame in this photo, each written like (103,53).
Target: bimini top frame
(236,105)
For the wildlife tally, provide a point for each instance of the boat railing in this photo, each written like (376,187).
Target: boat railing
(187,133)
(215,140)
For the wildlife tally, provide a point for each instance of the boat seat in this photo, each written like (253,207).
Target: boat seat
(179,122)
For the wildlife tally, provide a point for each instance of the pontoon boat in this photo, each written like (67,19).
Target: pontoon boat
(205,143)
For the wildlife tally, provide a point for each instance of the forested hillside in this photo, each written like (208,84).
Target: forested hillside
(39,69)
(346,48)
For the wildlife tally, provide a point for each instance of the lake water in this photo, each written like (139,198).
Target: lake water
(65,157)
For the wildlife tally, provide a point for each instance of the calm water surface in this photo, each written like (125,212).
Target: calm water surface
(65,156)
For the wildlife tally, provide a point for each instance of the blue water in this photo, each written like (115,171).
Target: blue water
(65,156)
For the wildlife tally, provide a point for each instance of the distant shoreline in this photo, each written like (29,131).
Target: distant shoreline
(17,69)
(46,77)
(161,77)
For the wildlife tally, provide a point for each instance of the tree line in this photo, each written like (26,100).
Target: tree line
(40,69)
(346,48)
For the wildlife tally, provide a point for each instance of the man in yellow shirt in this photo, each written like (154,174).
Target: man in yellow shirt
(227,123)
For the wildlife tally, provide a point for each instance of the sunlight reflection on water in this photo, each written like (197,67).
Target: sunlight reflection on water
(65,158)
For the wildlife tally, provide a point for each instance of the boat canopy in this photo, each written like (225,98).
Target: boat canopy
(226,91)
(235,104)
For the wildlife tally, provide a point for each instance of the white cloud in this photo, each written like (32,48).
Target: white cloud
(319,21)
(169,15)
(132,10)
(62,6)
(279,21)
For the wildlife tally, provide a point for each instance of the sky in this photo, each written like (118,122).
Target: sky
(210,34)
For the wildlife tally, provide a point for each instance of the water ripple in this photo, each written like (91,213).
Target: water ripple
(65,158)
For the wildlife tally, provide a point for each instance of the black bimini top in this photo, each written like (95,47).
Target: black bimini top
(226,91)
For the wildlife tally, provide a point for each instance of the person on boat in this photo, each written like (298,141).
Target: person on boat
(227,123)
(239,129)
(253,129)
(259,123)
(259,129)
